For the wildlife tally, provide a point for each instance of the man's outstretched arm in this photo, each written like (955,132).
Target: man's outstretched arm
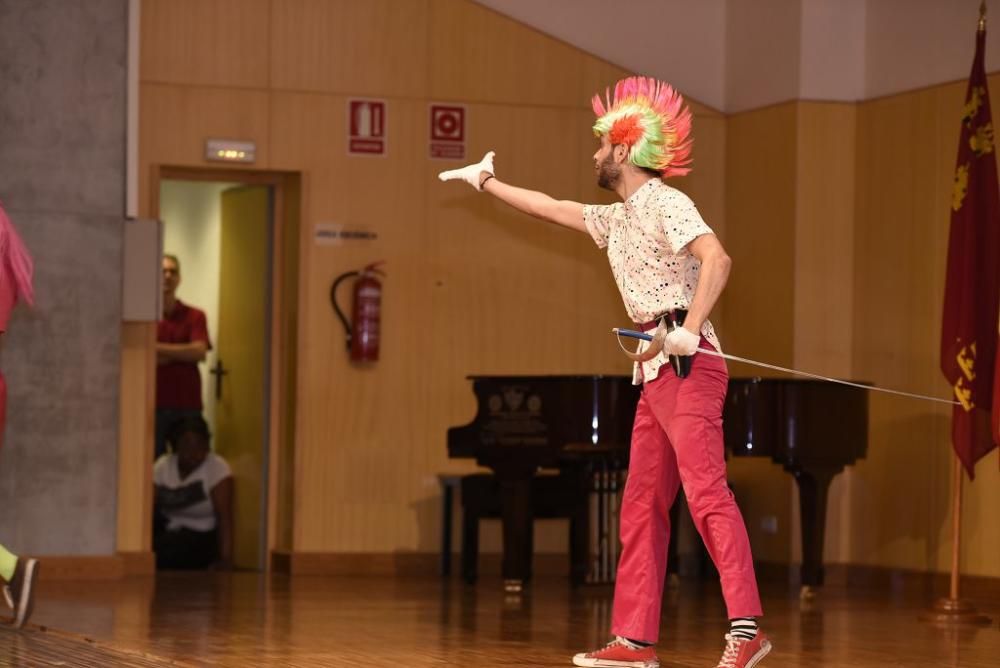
(481,177)
(537,204)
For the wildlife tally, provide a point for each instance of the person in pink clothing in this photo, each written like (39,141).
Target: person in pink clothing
(670,269)
(15,285)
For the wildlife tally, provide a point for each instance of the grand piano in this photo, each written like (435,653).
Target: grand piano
(525,423)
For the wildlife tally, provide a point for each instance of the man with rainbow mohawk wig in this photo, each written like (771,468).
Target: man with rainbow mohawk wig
(15,284)
(670,269)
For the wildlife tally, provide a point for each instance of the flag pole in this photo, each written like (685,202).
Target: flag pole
(956,530)
(952,609)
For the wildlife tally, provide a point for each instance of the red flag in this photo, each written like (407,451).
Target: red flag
(996,403)
(969,333)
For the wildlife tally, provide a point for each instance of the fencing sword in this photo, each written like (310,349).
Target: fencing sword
(619,332)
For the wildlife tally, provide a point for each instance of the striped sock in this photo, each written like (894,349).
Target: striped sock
(744,628)
(635,644)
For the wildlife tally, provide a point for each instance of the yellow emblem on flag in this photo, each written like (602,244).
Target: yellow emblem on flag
(967,362)
(961,186)
(964,395)
(966,359)
(982,141)
(972,105)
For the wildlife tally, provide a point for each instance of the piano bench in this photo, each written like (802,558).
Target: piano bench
(553,496)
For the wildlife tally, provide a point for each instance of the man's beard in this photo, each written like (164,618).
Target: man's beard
(609,173)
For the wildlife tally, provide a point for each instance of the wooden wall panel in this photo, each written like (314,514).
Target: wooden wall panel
(376,47)
(760,187)
(309,130)
(899,284)
(176,121)
(222,42)
(824,278)
(479,55)
(759,301)
(824,237)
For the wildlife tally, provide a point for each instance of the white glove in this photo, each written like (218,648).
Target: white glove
(681,341)
(472,173)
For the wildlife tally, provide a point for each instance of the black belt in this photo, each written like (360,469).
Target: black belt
(675,317)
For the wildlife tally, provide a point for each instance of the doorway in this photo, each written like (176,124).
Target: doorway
(235,234)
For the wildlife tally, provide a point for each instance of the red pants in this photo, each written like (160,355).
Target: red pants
(677,440)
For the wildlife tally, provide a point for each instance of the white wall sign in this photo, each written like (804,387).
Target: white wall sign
(332,234)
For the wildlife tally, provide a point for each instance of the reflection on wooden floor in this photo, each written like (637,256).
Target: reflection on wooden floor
(304,622)
(41,648)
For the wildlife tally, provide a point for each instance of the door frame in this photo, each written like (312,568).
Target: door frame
(284,186)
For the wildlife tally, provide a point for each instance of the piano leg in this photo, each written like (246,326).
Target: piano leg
(448,500)
(579,526)
(470,546)
(515,512)
(814,486)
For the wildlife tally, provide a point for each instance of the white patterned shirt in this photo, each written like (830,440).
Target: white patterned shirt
(647,239)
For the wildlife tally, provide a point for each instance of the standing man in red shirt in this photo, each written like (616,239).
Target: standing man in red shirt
(181,343)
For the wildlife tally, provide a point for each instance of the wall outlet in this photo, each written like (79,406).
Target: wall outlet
(769,524)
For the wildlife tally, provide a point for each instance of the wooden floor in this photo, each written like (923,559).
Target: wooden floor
(249,620)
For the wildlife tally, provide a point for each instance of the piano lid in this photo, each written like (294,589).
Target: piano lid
(546,418)
(795,420)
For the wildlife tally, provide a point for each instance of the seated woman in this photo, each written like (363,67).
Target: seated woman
(193,501)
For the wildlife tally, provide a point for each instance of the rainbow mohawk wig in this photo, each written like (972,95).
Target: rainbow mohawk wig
(649,117)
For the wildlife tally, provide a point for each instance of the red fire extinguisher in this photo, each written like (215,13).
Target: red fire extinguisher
(363,334)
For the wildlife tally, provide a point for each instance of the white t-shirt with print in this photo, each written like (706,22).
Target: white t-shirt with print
(187,503)
(646,237)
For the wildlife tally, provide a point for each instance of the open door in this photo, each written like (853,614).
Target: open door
(243,345)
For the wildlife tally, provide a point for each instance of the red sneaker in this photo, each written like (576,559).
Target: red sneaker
(740,653)
(616,654)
